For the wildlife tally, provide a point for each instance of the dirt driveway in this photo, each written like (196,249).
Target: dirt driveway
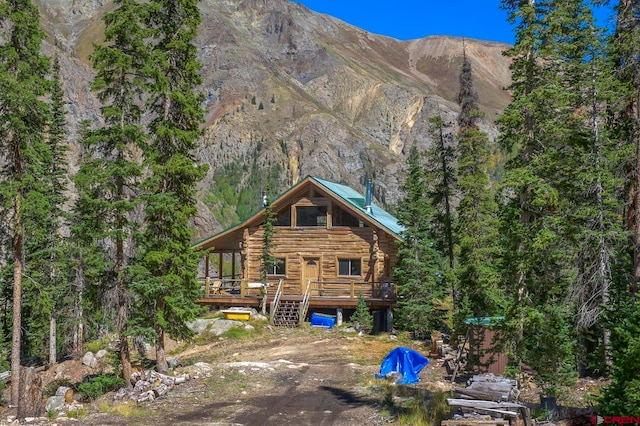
(278,377)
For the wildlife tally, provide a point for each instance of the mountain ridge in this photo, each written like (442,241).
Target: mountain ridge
(291,92)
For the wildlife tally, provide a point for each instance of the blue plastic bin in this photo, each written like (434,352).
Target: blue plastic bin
(321,320)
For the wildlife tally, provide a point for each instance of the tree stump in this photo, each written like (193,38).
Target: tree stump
(65,392)
(30,404)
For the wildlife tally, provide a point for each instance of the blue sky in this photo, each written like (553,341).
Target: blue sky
(409,19)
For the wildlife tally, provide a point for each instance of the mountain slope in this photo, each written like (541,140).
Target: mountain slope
(290,92)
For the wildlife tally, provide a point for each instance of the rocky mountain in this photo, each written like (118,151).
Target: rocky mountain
(290,93)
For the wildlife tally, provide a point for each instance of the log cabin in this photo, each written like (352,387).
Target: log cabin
(331,245)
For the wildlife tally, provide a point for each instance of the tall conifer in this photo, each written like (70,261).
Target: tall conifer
(166,281)
(23,119)
(418,274)
(477,230)
(108,181)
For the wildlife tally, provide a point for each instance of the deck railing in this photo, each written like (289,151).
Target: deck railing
(242,287)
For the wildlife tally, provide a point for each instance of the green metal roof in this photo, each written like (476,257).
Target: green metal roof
(353,197)
(484,320)
(343,192)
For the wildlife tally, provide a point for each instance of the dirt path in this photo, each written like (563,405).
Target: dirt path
(277,377)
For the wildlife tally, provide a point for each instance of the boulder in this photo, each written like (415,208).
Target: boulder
(54,403)
(89,359)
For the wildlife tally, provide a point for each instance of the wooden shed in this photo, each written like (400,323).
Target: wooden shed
(486,351)
(331,243)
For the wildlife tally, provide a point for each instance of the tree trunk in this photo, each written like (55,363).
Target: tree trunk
(53,355)
(161,357)
(125,356)
(17,302)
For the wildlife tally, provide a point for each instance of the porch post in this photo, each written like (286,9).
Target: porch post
(338,317)
(389,322)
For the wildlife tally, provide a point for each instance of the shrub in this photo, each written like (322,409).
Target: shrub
(99,385)
(362,320)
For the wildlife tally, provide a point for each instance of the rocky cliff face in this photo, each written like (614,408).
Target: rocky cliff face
(291,93)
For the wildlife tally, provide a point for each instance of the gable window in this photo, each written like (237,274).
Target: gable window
(284,218)
(349,267)
(311,216)
(279,268)
(341,217)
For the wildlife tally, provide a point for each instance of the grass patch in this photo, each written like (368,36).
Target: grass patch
(227,382)
(412,406)
(127,410)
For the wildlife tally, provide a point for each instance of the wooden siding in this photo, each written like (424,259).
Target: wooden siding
(369,245)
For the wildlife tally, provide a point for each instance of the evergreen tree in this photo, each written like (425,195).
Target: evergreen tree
(45,260)
(267,261)
(23,119)
(477,230)
(440,168)
(536,131)
(166,281)
(417,273)
(108,180)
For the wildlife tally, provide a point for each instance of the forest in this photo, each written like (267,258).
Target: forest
(551,242)
(554,245)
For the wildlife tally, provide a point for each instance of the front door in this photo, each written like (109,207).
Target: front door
(310,271)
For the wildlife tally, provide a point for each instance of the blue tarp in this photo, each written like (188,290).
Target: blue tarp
(404,361)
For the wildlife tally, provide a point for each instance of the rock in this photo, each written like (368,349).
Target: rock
(249,327)
(221,326)
(173,362)
(200,325)
(89,360)
(101,354)
(54,403)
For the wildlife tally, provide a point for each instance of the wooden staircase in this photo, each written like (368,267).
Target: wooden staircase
(289,312)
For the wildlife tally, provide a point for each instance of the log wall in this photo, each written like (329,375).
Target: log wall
(375,249)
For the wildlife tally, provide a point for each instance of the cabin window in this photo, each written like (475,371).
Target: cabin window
(284,218)
(311,216)
(279,268)
(349,267)
(341,217)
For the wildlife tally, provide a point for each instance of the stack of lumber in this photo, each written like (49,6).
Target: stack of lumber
(488,400)
(490,388)
(149,385)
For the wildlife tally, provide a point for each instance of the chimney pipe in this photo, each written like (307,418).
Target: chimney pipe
(367,198)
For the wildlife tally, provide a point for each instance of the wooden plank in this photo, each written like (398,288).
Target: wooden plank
(472,403)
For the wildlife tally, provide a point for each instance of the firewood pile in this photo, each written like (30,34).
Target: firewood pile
(149,385)
(488,400)
(453,357)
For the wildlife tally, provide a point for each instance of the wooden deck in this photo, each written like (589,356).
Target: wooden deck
(330,295)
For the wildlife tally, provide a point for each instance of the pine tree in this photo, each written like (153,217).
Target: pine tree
(535,132)
(267,260)
(477,230)
(440,168)
(166,281)
(417,274)
(23,118)
(108,180)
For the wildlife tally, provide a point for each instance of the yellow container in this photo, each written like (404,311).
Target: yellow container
(232,314)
